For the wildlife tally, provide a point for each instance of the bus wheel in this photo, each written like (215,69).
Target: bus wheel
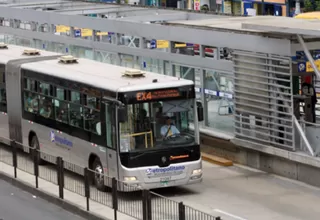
(98,175)
(35,144)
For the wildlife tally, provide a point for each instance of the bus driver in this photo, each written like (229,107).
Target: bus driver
(169,129)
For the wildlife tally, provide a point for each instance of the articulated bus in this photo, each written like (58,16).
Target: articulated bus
(120,122)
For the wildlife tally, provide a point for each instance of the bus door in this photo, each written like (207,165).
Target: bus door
(112,161)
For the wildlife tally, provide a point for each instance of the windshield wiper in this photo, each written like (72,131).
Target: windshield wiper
(141,154)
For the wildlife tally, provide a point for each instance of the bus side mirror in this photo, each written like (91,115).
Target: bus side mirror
(200,111)
(122,114)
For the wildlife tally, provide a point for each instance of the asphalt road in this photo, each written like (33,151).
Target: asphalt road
(16,204)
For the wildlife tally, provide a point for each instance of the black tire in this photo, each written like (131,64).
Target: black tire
(98,175)
(35,144)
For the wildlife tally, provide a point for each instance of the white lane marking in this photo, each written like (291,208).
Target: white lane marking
(229,214)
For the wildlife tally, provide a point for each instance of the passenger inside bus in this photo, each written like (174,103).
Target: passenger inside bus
(61,111)
(45,111)
(169,129)
(31,103)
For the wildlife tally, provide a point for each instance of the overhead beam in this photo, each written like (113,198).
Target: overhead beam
(147,12)
(214,37)
(154,17)
(89,10)
(184,60)
(46,4)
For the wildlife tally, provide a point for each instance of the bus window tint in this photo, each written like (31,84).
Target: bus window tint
(61,94)
(76,118)
(92,102)
(30,85)
(45,106)
(31,102)
(61,111)
(92,121)
(45,88)
(109,125)
(3,98)
(75,97)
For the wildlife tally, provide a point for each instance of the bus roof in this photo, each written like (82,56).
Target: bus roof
(16,52)
(104,76)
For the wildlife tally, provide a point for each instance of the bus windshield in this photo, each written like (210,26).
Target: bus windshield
(155,125)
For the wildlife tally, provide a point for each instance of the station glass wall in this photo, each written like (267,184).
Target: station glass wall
(216,91)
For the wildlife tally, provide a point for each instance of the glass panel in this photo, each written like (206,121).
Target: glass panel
(61,111)
(109,123)
(93,102)
(92,121)
(75,97)
(3,97)
(31,102)
(60,94)
(45,88)
(219,92)
(45,106)
(157,124)
(76,118)
(30,84)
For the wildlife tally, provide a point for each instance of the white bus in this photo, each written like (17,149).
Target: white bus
(123,123)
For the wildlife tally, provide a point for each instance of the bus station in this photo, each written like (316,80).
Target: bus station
(257,78)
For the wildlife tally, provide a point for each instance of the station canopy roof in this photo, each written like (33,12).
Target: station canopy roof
(257,24)
(126,12)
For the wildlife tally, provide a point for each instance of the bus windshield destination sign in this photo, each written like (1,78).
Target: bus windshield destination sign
(159,94)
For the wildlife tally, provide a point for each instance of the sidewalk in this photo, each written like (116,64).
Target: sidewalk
(49,191)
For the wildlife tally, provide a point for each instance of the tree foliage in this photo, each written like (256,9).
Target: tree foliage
(311,5)
(308,6)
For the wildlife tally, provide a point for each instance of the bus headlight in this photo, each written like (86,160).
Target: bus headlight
(197,172)
(130,178)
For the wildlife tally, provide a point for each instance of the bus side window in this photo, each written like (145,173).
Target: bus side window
(61,93)
(30,84)
(91,101)
(75,97)
(3,94)
(76,118)
(61,111)
(92,121)
(109,125)
(31,102)
(46,107)
(45,88)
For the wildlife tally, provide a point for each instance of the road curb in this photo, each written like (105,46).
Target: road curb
(68,206)
(216,160)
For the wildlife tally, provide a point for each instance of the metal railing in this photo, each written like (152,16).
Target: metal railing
(122,198)
(309,137)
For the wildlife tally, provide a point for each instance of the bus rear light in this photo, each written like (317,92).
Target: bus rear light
(197,172)
(130,178)
(31,122)
(94,145)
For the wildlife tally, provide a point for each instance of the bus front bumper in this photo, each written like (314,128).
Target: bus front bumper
(137,185)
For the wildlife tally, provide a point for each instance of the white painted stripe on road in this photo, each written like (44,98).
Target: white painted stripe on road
(229,214)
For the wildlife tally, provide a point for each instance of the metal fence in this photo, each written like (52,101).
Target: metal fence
(263,99)
(122,198)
